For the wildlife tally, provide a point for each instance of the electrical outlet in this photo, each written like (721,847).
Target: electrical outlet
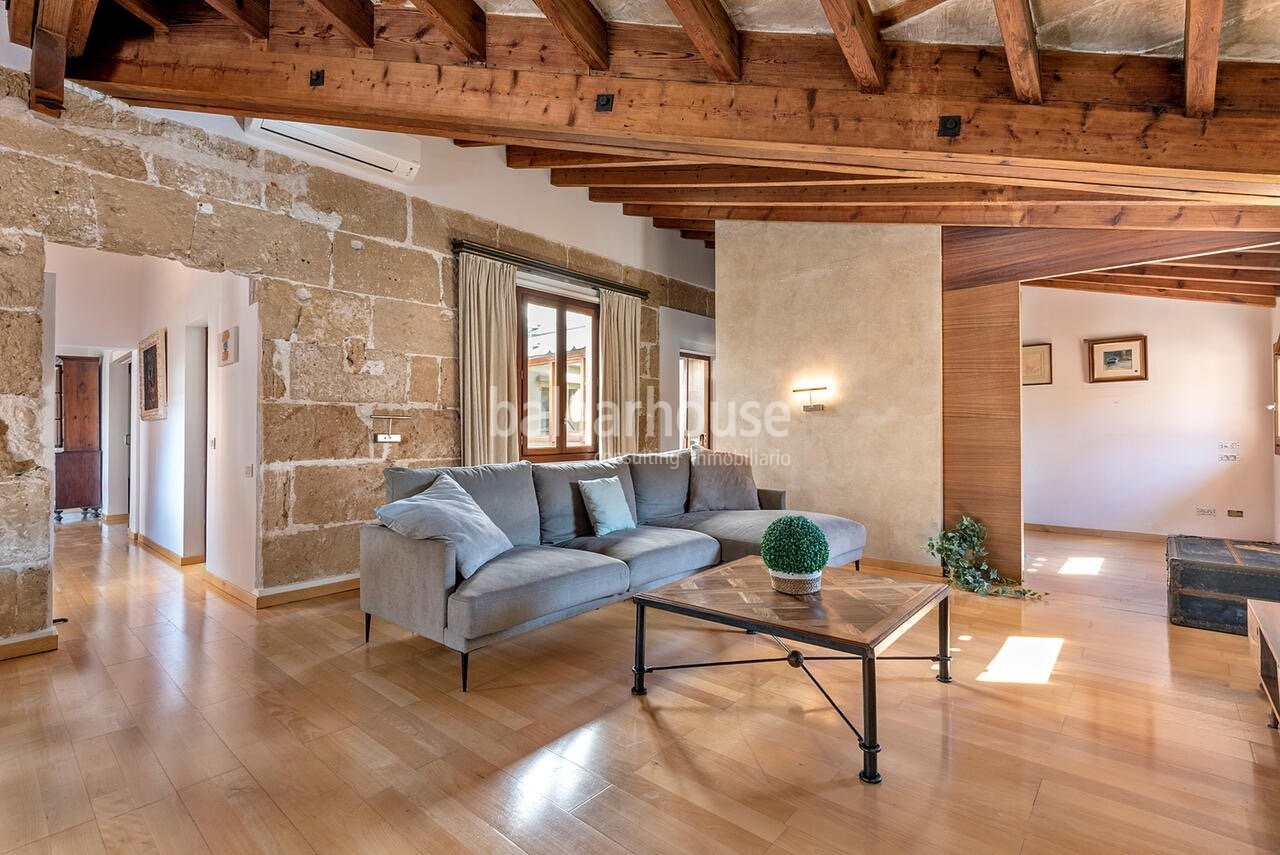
(1228,458)
(1229,445)
(1206,512)
(248,471)
(1235,514)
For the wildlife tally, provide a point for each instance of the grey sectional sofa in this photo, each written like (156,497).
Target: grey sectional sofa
(557,567)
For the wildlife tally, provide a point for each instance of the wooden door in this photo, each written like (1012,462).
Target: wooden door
(78,470)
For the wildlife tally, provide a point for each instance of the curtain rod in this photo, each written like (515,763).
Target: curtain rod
(531,266)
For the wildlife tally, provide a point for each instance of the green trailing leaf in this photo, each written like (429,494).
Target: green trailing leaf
(964,561)
(794,544)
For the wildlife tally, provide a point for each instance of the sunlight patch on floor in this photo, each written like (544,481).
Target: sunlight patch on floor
(1080,565)
(1023,659)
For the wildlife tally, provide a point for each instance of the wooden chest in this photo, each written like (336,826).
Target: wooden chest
(1211,578)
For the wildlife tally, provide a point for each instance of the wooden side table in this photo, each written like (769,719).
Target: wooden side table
(1264,640)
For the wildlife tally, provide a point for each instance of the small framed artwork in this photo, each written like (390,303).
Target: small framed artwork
(1037,364)
(1116,359)
(153,379)
(229,346)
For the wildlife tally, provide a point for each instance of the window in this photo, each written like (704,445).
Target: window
(695,400)
(558,380)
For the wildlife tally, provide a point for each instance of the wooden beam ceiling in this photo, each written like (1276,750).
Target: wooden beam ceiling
(1201,40)
(1105,286)
(712,33)
(904,11)
(858,35)
(580,23)
(1018,30)
(461,21)
(854,194)
(251,16)
(352,18)
(1235,260)
(22,21)
(1179,270)
(711,175)
(150,12)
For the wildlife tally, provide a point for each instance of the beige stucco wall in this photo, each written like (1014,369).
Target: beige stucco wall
(858,308)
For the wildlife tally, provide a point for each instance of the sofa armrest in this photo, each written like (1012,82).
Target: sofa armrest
(772,500)
(406,581)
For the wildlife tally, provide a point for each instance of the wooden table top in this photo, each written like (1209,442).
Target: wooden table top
(860,609)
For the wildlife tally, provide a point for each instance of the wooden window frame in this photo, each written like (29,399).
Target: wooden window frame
(709,359)
(562,451)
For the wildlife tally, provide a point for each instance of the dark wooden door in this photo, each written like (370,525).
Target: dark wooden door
(78,471)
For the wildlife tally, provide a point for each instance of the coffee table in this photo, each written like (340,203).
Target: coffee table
(860,615)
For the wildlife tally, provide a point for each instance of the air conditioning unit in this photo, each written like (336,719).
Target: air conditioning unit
(395,155)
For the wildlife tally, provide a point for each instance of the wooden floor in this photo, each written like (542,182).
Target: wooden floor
(177,721)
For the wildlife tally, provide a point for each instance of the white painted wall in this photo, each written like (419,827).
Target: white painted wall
(1141,456)
(173,484)
(679,331)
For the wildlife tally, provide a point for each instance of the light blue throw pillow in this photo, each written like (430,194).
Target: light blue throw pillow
(606,505)
(446,510)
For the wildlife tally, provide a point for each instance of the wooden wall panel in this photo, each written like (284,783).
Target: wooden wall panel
(982,416)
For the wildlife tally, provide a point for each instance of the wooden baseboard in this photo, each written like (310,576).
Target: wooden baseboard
(905,566)
(114,519)
(1096,532)
(265,598)
(32,642)
(164,552)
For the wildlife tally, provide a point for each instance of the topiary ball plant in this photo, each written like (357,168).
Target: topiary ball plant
(794,544)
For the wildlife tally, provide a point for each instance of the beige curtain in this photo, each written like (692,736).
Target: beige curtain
(619,372)
(489,349)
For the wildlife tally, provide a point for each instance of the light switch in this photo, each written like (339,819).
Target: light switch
(248,471)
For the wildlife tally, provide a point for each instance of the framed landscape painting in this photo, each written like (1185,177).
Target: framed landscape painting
(1037,364)
(153,382)
(1116,359)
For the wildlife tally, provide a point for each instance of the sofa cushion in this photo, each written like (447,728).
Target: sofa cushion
(719,481)
(739,532)
(446,510)
(560,508)
(606,505)
(530,582)
(504,491)
(653,553)
(661,483)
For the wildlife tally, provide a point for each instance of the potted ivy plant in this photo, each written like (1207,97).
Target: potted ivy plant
(964,562)
(795,550)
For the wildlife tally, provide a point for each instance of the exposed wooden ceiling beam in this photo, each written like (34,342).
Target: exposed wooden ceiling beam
(857,194)
(474,144)
(462,22)
(1060,141)
(904,11)
(251,16)
(22,21)
(1256,260)
(711,175)
(669,223)
(1202,37)
(71,18)
(150,12)
(528,157)
(698,234)
(1018,30)
(48,71)
(580,23)
(712,33)
(352,18)
(709,244)
(1166,293)
(859,37)
(1061,215)
(1200,285)
(1178,270)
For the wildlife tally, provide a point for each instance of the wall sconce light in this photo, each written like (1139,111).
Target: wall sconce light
(388,436)
(809,405)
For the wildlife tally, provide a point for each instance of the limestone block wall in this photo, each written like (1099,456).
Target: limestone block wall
(357,295)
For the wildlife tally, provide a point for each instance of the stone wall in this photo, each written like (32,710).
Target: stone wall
(356,286)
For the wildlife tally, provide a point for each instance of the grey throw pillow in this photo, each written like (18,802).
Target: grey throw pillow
(606,505)
(446,510)
(719,481)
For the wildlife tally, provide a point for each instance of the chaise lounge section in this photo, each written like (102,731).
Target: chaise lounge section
(557,567)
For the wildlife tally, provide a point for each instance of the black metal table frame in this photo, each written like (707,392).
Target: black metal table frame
(867,738)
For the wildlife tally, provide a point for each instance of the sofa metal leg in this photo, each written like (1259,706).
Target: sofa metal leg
(368,621)
(857,565)
(464,671)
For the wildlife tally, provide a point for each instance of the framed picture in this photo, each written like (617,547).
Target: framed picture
(1037,364)
(1115,359)
(153,378)
(229,346)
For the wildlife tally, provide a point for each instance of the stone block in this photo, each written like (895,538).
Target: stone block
(336,494)
(306,555)
(686,297)
(288,310)
(21,271)
(274,370)
(363,208)
(449,281)
(424,379)
(242,187)
(47,198)
(277,492)
(414,328)
(249,240)
(139,219)
(88,110)
(14,84)
(654,283)
(372,267)
(436,227)
(328,373)
(450,388)
(312,432)
(26,504)
(197,141)
(26,133)
(35,598)
(532,246)
(428,434)
(648,325)
(581,261)
(21,353)
(21,444)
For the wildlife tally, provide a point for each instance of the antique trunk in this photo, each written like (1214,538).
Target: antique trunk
(1210,579)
